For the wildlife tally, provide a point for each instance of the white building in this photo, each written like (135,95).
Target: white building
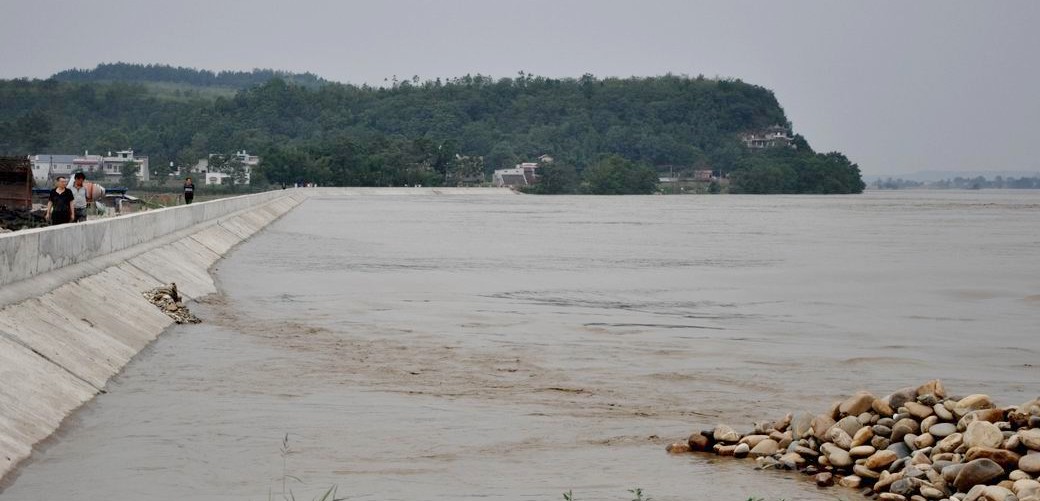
(510,177)
(776,136)
(48,167)
(249,162)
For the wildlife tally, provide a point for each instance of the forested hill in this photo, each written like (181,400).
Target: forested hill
(160,73)
(411,131)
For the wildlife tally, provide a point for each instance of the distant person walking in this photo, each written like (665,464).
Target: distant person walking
(60,203)
(189,190)
(79,195)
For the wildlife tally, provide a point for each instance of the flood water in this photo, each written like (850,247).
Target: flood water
(501,347)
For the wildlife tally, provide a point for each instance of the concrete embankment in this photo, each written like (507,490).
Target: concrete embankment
(72,311)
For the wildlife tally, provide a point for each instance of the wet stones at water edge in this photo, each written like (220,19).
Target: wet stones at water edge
(917,444)
(169,301)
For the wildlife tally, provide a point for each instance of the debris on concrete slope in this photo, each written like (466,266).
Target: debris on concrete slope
(916,444)
(169,301)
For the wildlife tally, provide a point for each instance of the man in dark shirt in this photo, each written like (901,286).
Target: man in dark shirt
(189,190)
(59,203)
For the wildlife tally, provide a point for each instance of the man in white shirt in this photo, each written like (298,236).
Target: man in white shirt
(79,195)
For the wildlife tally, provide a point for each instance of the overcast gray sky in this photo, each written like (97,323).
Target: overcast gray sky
(898,86)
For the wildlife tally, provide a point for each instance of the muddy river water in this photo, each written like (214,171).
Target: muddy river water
(518,347)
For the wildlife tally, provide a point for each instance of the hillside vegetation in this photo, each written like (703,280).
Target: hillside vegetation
(416,131)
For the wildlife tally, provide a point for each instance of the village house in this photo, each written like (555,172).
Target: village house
(511,178)
(46,167)
(775,136)
(524,174)
(210,177)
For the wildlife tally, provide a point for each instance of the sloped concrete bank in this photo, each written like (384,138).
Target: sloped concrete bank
(72,311)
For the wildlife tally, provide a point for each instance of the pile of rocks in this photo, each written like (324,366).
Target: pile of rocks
(916,444)
(167,299)
(19,219)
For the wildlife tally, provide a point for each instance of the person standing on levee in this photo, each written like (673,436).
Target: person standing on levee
(59,203)
(189,190)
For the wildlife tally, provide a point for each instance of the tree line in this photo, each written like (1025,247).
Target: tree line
(126,72)
(432,132)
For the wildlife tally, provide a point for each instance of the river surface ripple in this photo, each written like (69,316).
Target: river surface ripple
(435,347)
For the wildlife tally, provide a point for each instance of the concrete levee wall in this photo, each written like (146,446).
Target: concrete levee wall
(28,253)
(72,310)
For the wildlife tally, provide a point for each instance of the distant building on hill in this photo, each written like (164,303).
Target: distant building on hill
(48,166)
(511,178)
(225,175)
(45,166)
(524,174)
(776,136)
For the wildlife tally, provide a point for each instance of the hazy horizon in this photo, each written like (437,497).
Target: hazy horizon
(899,88)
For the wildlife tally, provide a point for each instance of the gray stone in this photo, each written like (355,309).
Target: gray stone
(975,473)
(902,427)
(849,424)
(942,412)
(942,430)
(904,486)
(1030,463)
(949,471)
(801,425)
(900,449)
(901,397)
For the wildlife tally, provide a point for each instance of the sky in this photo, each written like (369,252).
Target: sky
(898,86)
